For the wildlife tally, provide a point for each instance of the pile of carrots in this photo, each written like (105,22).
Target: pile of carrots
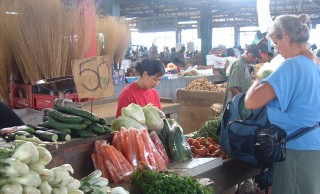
(130,148)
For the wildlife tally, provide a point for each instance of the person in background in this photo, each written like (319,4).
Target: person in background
(171,55)
(231,58)
(143,92)
(179,57)
(8,118)
(292,97)
(240,76)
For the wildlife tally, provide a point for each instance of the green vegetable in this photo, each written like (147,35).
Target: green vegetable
(11,188)
(126,122)
(26,153)
(62,117)
(77,111)
(134,111)
(61,135)
(102,121)
(209,129)
(59,125)
(179,147)
(45,156)
(94,183)
(97,128)
(31,179)
(45,118)
(26,128)
(5,152)
(86,121)
(46,126)
(45,187)
(46,136)
(11,167)
(149,181)
(153,117)
(83,133)
(13,135)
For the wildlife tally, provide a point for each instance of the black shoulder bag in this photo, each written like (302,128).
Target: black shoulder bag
(271,141)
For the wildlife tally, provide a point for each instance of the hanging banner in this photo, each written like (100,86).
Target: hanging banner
(264,16)
(157,24)
(93,77)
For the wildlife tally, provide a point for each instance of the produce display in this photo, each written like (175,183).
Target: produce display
(204,84)
(205,141)
(23,171)
(149,117)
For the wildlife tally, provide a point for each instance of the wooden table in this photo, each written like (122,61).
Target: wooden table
(107,108)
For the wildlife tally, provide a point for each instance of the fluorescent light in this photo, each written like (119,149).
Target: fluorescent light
(134,29)
(10,12)
(188,22)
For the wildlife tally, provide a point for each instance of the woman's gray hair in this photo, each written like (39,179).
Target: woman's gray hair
(296,27)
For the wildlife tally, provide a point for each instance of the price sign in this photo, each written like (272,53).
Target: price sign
(93,77)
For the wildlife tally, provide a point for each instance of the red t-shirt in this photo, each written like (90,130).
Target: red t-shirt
(133,94)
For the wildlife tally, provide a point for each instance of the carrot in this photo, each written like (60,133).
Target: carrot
(109,153)
(100,159)
(114,176)
(161,165)
(94,161)
(128,150)
(147,142)
(158,144)
(115,137)
(142,153)
(127,168)
(121,139)
(133,134)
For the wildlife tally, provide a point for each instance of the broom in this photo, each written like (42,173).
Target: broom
(123,44)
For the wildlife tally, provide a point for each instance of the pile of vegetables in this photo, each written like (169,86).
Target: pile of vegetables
(23,171)
(148,181)
(130,149)
(149,117)
(74,121)
(209,129)
(174,141)
(25,133)
(95,184)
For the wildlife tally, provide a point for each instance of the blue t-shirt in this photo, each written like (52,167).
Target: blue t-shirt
(296,84)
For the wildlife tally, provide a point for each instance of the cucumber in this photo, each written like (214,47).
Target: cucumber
(59,125)
(102,121)
(84,133)
(46,136)
(86,121)
(61,135)
(45,118)
(65,118)
(77,111)
(46,126)
(26,128)
(107,129)
(97,128)
(13,135)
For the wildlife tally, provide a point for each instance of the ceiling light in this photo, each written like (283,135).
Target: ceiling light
(188,22)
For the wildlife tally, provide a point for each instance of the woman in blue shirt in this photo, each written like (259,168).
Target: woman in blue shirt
(292,97)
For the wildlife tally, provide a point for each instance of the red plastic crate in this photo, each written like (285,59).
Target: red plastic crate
(21,96)
(42,101)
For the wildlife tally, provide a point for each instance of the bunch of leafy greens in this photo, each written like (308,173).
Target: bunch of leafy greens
(148,181)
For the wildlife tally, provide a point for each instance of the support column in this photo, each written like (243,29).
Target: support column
(236,36)
(205,31)
(178,35)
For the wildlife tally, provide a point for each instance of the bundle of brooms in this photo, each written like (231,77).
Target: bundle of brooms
(5,70)
(45,36)
(116,37)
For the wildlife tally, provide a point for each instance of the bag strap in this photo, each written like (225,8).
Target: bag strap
(301,132)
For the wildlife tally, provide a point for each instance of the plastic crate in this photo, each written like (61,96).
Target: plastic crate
(21,96)
(42,101)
